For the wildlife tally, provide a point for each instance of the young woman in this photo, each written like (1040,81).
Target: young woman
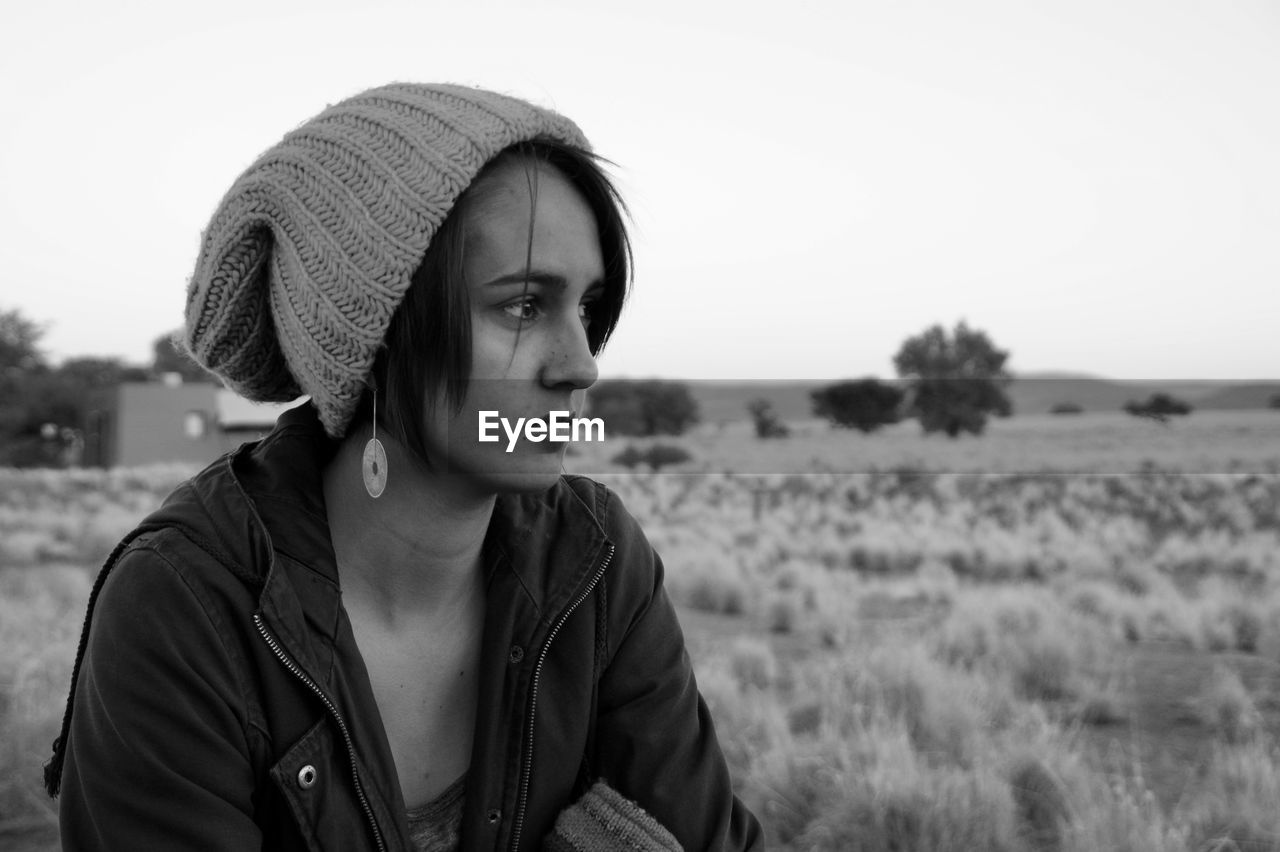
(371,629)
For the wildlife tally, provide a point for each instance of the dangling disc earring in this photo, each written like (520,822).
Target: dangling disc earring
(374,468)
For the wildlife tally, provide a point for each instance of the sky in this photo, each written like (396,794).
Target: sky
(1094,183)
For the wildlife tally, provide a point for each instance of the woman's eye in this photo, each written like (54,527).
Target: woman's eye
(529,309)
(525,310)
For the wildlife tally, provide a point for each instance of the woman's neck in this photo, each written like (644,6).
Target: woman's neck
(414,550)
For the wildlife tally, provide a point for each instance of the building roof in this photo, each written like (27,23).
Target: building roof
(236,412)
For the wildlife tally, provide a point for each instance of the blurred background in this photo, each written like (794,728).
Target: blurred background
(1092,183)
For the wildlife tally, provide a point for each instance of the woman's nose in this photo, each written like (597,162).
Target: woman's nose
(570,361)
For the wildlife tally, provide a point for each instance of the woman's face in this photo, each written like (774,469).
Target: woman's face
(529,354)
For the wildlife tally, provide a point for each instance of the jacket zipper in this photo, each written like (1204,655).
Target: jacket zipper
(297,672)
(527,769)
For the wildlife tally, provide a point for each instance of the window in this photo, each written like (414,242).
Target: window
(195,424)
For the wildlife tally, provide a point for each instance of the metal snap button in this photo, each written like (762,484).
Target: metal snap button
(517,654)
(494,816)
(307,777)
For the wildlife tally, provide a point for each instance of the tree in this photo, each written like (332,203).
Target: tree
(91,372)
(1274,401)
(765,420)
(46,421)
(168,357)
(955,380)
(19,343)
(643,408)
(20,359)
(865,404)
(43,408)
(1158,407)
(1067,408)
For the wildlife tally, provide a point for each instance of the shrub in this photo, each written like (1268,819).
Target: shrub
(1044,671)
(766,422)
(938,583)
(806,719)
(752,663)
(1041,804)
(782,612)
(1132,627)
(1093,600)
(1023,636)
(1159,407)
(865,405)
(964,641)
(913,809)
(1236,809)
(22,547)
(1171,618)
(1139,578)
(1245,624)
(102,532)
(1226,707)
(939,708)
(629,457)
(643,408)
(1099,708)
(1215,633)
(710,586)
(796,791)
(656,457)
(663,455)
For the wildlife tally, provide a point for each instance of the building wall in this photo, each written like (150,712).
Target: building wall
(139,423)
(158,423)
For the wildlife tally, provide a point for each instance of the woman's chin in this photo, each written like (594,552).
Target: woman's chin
(529,483)
(520,472)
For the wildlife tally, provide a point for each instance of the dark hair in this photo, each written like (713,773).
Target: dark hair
(428,344)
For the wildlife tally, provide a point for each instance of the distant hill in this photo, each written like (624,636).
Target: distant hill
(727,401)
(1038,393)
(1032,393)
(1243,395)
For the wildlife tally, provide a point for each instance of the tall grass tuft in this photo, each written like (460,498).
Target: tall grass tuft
(1040,801)
(1226,707)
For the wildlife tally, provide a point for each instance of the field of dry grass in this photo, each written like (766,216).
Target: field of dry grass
(1058,658)
(1205,442)
(921,661)
(56,527)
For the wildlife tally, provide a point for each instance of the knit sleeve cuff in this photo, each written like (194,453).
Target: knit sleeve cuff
(604,819)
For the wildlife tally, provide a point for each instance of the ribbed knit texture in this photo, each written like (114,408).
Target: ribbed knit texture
(312,249)
(604,820)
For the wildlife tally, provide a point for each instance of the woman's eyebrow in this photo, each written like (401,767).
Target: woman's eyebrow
(533,276)
(536,276)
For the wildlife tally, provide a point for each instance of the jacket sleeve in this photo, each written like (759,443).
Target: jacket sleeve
(157,756)
(602,819)
(656,743)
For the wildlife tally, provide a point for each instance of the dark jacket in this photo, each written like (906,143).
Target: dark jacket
(220,701)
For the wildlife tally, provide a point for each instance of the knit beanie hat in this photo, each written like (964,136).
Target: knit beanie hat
(311,251)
